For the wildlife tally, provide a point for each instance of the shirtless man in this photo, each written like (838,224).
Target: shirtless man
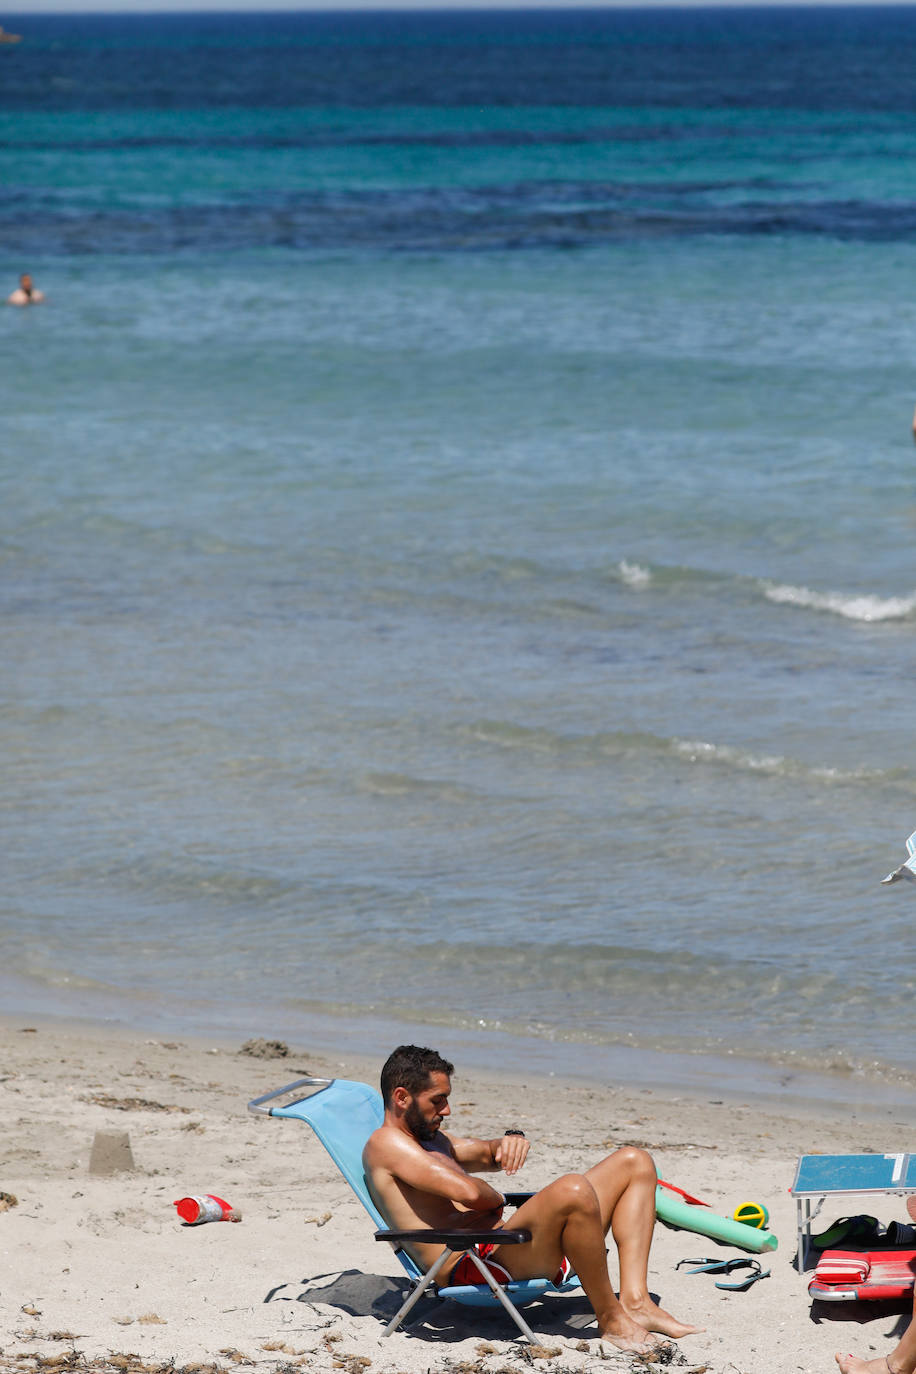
(25,293)
(420,1177)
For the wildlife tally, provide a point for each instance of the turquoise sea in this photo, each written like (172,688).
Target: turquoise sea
(457,519)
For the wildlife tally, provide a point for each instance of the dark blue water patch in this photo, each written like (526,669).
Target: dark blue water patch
(819,58)
(707,132)
(198,139)
(514,217)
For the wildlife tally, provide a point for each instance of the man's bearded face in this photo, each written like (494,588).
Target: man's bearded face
(420,1126)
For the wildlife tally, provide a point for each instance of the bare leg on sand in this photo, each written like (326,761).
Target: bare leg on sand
(627,1199)
(899,1361)
(572,1217)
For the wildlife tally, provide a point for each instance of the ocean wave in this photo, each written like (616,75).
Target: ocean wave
(403,785)
(634,574)
(702,751)
(850,605)
(777,765)
(618,744)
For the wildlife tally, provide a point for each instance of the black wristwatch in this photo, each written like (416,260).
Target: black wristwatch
(513,1130)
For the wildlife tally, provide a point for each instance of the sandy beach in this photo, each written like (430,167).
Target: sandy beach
(95,1266)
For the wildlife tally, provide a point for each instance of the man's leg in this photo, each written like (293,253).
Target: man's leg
(565,1219)
(624,1184)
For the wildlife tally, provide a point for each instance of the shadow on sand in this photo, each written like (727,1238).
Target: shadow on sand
(567,1316)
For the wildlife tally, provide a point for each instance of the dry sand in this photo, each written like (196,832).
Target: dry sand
(96,1268)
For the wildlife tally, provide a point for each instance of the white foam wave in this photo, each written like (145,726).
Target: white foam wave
(633,574)
(866,608)
(702,751)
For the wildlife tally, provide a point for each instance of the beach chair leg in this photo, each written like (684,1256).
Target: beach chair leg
(498,1292)
(502,1296)
(416,1294)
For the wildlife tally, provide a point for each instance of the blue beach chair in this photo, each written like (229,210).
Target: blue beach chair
(343,1115)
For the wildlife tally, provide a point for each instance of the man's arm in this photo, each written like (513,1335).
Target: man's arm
(507,1152)
(429,1171)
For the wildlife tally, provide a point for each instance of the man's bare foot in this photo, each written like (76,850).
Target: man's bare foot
(628,1335)
(851,1364)
(654,1318)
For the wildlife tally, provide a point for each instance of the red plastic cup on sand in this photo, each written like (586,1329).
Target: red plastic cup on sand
(195,1210)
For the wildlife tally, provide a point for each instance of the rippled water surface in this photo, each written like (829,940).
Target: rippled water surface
(456,532)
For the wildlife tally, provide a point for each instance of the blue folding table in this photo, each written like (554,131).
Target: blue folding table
(823,1176)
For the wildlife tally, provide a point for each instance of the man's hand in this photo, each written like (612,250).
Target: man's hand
(510,1153)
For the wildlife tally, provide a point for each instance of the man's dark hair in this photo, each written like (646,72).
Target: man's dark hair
(410,1066)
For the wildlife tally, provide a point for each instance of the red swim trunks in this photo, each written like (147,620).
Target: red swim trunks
(466,1272)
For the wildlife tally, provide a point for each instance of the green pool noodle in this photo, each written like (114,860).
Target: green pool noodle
(691,1218)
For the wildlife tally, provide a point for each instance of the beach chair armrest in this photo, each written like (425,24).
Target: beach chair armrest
(455,1240)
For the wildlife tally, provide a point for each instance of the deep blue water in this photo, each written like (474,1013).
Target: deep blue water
(816,58)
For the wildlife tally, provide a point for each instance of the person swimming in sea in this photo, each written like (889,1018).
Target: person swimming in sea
(25,293)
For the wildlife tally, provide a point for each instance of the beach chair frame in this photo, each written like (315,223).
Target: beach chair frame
(343,1114)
